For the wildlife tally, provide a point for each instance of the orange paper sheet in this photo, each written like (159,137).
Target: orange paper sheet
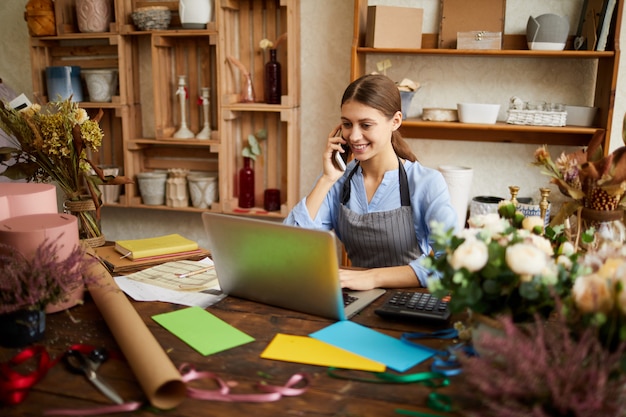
(157,375)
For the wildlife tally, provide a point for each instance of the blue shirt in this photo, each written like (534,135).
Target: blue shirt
(430,201)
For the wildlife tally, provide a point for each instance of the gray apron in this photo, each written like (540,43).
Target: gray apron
(386,238)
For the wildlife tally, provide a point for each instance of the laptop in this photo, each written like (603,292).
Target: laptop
(285,266)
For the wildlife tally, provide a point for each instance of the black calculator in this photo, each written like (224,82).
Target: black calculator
(414,305)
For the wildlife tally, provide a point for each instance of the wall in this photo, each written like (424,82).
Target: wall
(326,37)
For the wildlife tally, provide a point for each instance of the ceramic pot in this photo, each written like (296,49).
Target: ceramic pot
(93,15)
(101,84)
(64,82)
(195,14)
(152,187)
(202,189)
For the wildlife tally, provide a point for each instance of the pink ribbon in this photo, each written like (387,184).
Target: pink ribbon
(222,393)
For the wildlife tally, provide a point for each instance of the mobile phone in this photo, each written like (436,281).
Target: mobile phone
(340,159)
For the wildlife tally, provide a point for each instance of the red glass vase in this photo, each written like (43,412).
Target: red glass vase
(272,80)
(246,184)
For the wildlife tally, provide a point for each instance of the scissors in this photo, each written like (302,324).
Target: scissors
(87,364)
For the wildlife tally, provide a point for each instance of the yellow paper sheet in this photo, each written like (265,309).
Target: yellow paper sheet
(303,349)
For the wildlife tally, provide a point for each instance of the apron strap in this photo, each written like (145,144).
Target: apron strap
(405,197)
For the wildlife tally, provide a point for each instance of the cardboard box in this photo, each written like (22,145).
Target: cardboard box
(479,39)
(394,27)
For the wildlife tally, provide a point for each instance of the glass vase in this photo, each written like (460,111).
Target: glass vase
(246,184)
(272,80)
(608,224)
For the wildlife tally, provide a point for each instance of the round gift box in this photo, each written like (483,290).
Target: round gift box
(21,199)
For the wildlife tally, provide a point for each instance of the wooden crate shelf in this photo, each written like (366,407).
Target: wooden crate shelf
(195,58)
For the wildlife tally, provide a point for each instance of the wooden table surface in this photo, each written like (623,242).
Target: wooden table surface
(327,396)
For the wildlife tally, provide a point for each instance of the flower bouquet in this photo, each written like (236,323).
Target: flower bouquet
(54,143)
(503,264)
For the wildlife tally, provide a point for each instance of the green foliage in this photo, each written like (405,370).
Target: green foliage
(254,148)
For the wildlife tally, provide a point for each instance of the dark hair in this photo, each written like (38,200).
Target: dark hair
(381,93)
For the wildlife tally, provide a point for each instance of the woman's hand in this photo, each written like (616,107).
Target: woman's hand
(387,277)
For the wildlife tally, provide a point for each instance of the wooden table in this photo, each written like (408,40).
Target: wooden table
(327,396)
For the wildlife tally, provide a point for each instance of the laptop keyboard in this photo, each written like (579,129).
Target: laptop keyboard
(348,299)
(414,305)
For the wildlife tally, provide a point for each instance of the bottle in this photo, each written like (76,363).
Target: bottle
(272,79)
(246,184)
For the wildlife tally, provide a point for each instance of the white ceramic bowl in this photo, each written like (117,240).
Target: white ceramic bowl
(478,112)
(580,115)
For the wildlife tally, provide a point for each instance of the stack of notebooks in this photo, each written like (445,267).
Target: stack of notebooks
(134,254)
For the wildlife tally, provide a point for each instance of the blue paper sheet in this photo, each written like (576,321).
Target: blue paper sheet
(373,345)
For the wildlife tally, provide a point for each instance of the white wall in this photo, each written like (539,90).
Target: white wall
(326,37)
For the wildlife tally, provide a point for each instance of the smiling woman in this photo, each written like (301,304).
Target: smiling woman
(382,205)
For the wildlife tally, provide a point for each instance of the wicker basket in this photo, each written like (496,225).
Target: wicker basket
(152,18)
(537,117)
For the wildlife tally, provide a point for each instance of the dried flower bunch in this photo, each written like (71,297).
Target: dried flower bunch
(502,264)
(37,281)
(593,180)
(540,369)
(54,143)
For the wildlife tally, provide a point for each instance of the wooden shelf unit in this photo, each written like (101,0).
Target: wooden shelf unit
(143,116)
(514,46)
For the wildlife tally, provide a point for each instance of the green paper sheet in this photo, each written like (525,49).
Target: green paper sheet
(202,330)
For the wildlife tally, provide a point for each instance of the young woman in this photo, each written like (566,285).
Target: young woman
(382,205)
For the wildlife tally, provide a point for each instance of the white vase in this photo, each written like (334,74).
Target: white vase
(152,187)
(459,180)
(195,14)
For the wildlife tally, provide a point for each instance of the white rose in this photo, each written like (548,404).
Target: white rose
(566,248)
(471,254)
(529,223)
(592,294)
(542,243)
(525,259)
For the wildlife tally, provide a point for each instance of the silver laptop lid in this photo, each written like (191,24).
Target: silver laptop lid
(276,264)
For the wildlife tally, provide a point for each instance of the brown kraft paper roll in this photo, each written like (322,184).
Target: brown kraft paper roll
(157,375)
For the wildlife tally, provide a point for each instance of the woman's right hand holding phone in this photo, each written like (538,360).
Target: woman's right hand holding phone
(335,155)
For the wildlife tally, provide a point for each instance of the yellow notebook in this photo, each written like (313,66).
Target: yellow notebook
(154,246)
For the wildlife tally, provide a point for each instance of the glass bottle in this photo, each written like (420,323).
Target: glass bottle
(246,184)
(272,80)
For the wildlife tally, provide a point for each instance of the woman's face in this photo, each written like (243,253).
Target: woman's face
(367,130)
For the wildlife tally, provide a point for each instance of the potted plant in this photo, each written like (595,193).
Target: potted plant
(246,173)
(30,284)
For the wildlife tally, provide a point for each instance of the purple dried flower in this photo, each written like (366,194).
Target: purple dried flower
(35,282)
(540,369)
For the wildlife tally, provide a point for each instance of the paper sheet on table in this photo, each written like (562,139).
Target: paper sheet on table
(374,345)
(166,275)
(202,330)
(302,349)
(141,291)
